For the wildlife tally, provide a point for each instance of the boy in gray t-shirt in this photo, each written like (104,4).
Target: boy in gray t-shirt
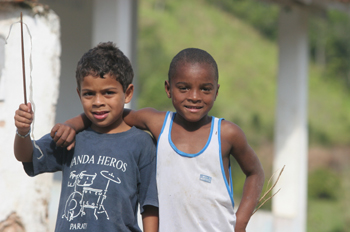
(112,167)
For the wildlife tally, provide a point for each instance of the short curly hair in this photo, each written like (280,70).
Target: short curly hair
(103,59)
(192,55)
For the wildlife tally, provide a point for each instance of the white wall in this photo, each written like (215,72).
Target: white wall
(25,196)
(76,23)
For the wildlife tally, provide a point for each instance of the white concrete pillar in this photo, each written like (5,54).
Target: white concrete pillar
(291,142)
(25,196)
(116,21)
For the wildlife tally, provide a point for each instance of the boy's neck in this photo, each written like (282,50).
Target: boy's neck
(192,126)
(122,127)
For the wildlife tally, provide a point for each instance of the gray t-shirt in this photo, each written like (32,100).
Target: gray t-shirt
(103,179)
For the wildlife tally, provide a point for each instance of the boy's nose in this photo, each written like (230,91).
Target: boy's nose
(98,100)
(194,95)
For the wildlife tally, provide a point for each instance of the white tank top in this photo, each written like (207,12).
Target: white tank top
(193,192)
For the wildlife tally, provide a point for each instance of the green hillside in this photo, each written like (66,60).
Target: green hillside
(247,63)
(247,68)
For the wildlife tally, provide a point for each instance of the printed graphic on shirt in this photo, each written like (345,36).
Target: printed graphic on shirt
(101,160)
(205,178)
(87,199)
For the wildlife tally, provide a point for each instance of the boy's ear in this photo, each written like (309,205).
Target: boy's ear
(78,93)
(128,93)
(167,88)
(217,91)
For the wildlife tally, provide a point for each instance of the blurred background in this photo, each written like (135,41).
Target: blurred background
(242,36)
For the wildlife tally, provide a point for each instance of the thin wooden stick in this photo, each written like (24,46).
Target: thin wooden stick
(23,65)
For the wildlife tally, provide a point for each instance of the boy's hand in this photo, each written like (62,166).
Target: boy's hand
(24,118)
(63,135)
(240,228)
(23,147)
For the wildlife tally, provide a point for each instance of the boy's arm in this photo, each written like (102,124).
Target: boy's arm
(146,119)
(23,147)
(147,189)
(64,134)
(150,219)
(251,167)
(252,188)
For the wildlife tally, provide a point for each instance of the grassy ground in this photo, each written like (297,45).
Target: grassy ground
(331,215)
(331,221)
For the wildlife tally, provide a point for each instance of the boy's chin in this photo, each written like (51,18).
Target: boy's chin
(193,117)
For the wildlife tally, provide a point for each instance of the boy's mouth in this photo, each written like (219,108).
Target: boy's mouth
(100,115)
(194,108)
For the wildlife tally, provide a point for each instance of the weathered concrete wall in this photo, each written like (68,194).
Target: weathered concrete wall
(24,200)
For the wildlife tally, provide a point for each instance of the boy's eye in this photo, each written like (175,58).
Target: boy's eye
(206,89)
(86,94)
(183,88)
(109,92)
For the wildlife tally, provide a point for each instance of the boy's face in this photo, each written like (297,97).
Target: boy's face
(103,101)
(193,90)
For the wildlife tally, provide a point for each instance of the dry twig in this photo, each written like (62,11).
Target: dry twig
(268,191)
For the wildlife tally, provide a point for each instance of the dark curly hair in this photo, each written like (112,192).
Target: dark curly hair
(192,55)
(103,59)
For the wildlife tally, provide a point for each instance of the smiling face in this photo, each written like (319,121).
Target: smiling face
(193,89)
(103,101)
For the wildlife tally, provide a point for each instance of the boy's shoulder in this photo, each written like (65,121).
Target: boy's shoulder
(143,134)
(230,127)
(150,119)
(151,114)
(231,131)
(132,132)
(133,140)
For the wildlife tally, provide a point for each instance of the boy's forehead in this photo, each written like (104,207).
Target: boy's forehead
(103,76)
(93,77)
(192,70)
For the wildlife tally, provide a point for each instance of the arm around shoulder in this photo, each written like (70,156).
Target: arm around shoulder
(146,119)
(64,134)
(251,167)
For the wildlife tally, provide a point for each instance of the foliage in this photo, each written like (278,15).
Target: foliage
(329,35)
(261,15)
(324,184)
(329,107)
(326,216)
(329,44)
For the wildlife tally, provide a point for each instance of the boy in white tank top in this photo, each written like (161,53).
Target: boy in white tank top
(193,152)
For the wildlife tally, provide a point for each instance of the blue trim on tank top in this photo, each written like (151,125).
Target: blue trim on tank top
(231,178)
(184,153)
(229,187)
(161,132)
(164,123)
